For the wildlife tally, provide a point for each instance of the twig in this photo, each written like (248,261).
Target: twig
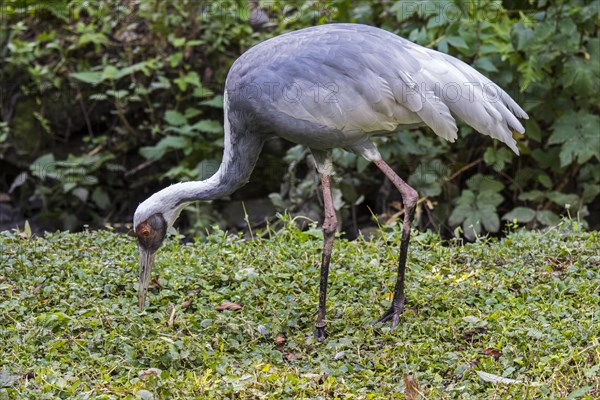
(121,114)
(395,216)
(588,348)
(172,316)
(139,167)
(568,178)
(463,169)
(86,117)
(430,45)
(247,220)
(192,334)
(95,150)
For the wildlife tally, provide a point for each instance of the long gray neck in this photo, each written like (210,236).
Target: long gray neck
(241,150)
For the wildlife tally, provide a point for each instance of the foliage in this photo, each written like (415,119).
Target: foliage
(128,95)
(522,51)
(521,309)
(142,79)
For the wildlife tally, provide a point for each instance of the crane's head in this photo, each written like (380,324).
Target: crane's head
(151,221)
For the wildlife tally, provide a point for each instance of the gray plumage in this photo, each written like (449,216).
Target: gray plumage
(334,86)
(337,85)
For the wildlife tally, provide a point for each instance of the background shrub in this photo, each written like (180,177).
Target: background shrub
(105,102)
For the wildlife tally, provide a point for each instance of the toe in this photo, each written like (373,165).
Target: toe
(320,334)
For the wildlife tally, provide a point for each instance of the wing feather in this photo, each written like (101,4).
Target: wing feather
(383,82)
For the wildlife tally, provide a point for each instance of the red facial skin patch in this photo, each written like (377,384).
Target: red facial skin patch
(143,230)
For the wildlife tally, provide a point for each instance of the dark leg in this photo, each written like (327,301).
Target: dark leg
(329,228)
(409,200)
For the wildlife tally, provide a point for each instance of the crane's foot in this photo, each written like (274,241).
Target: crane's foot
(320,334)
(393,313)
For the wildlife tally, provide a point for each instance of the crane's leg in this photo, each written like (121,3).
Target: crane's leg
(329,228)
(409,200)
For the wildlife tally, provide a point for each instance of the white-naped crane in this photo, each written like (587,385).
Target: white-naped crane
(334,86)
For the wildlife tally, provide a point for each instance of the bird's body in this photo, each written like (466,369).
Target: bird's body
(334,86)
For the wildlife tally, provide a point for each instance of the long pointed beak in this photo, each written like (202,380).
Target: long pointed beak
(146,262)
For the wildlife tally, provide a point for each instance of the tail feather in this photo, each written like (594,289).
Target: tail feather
(467,94)
(429,107)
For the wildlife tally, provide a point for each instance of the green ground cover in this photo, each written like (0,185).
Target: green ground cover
(525,308)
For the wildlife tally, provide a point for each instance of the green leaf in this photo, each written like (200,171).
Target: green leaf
(119,94)
(547,218)
(144,394)
(531,70)
(427,178)
(101,198)
(521,36)
(174,142)
(497,158)
(7,379)
(98,97)
(295,154)
(580,74)
(152,152)
(27,230)
(489,217)
(43,166)
(216,102)
(141,66)
(68,186)
(534,132)
(177,42)
(81,193)
(192,112)
(175,59)
(520,214)
(110,72)
(191,78)
(175,118)
(590,191)
(476,208)
(208,126)
(92,37)
(59,9)
(485,183)
(472,320)
(465,206)
(460,213)
(472,225)
(545,180)
(578,132)
(362,164)
(92,77)
(547,158)
(169,142)
(578,392)
(487,197)
(564,199)
(485,64)
(202,92)
(457,41)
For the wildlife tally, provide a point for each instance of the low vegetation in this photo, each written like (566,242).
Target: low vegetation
(515,318)
(104,102)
